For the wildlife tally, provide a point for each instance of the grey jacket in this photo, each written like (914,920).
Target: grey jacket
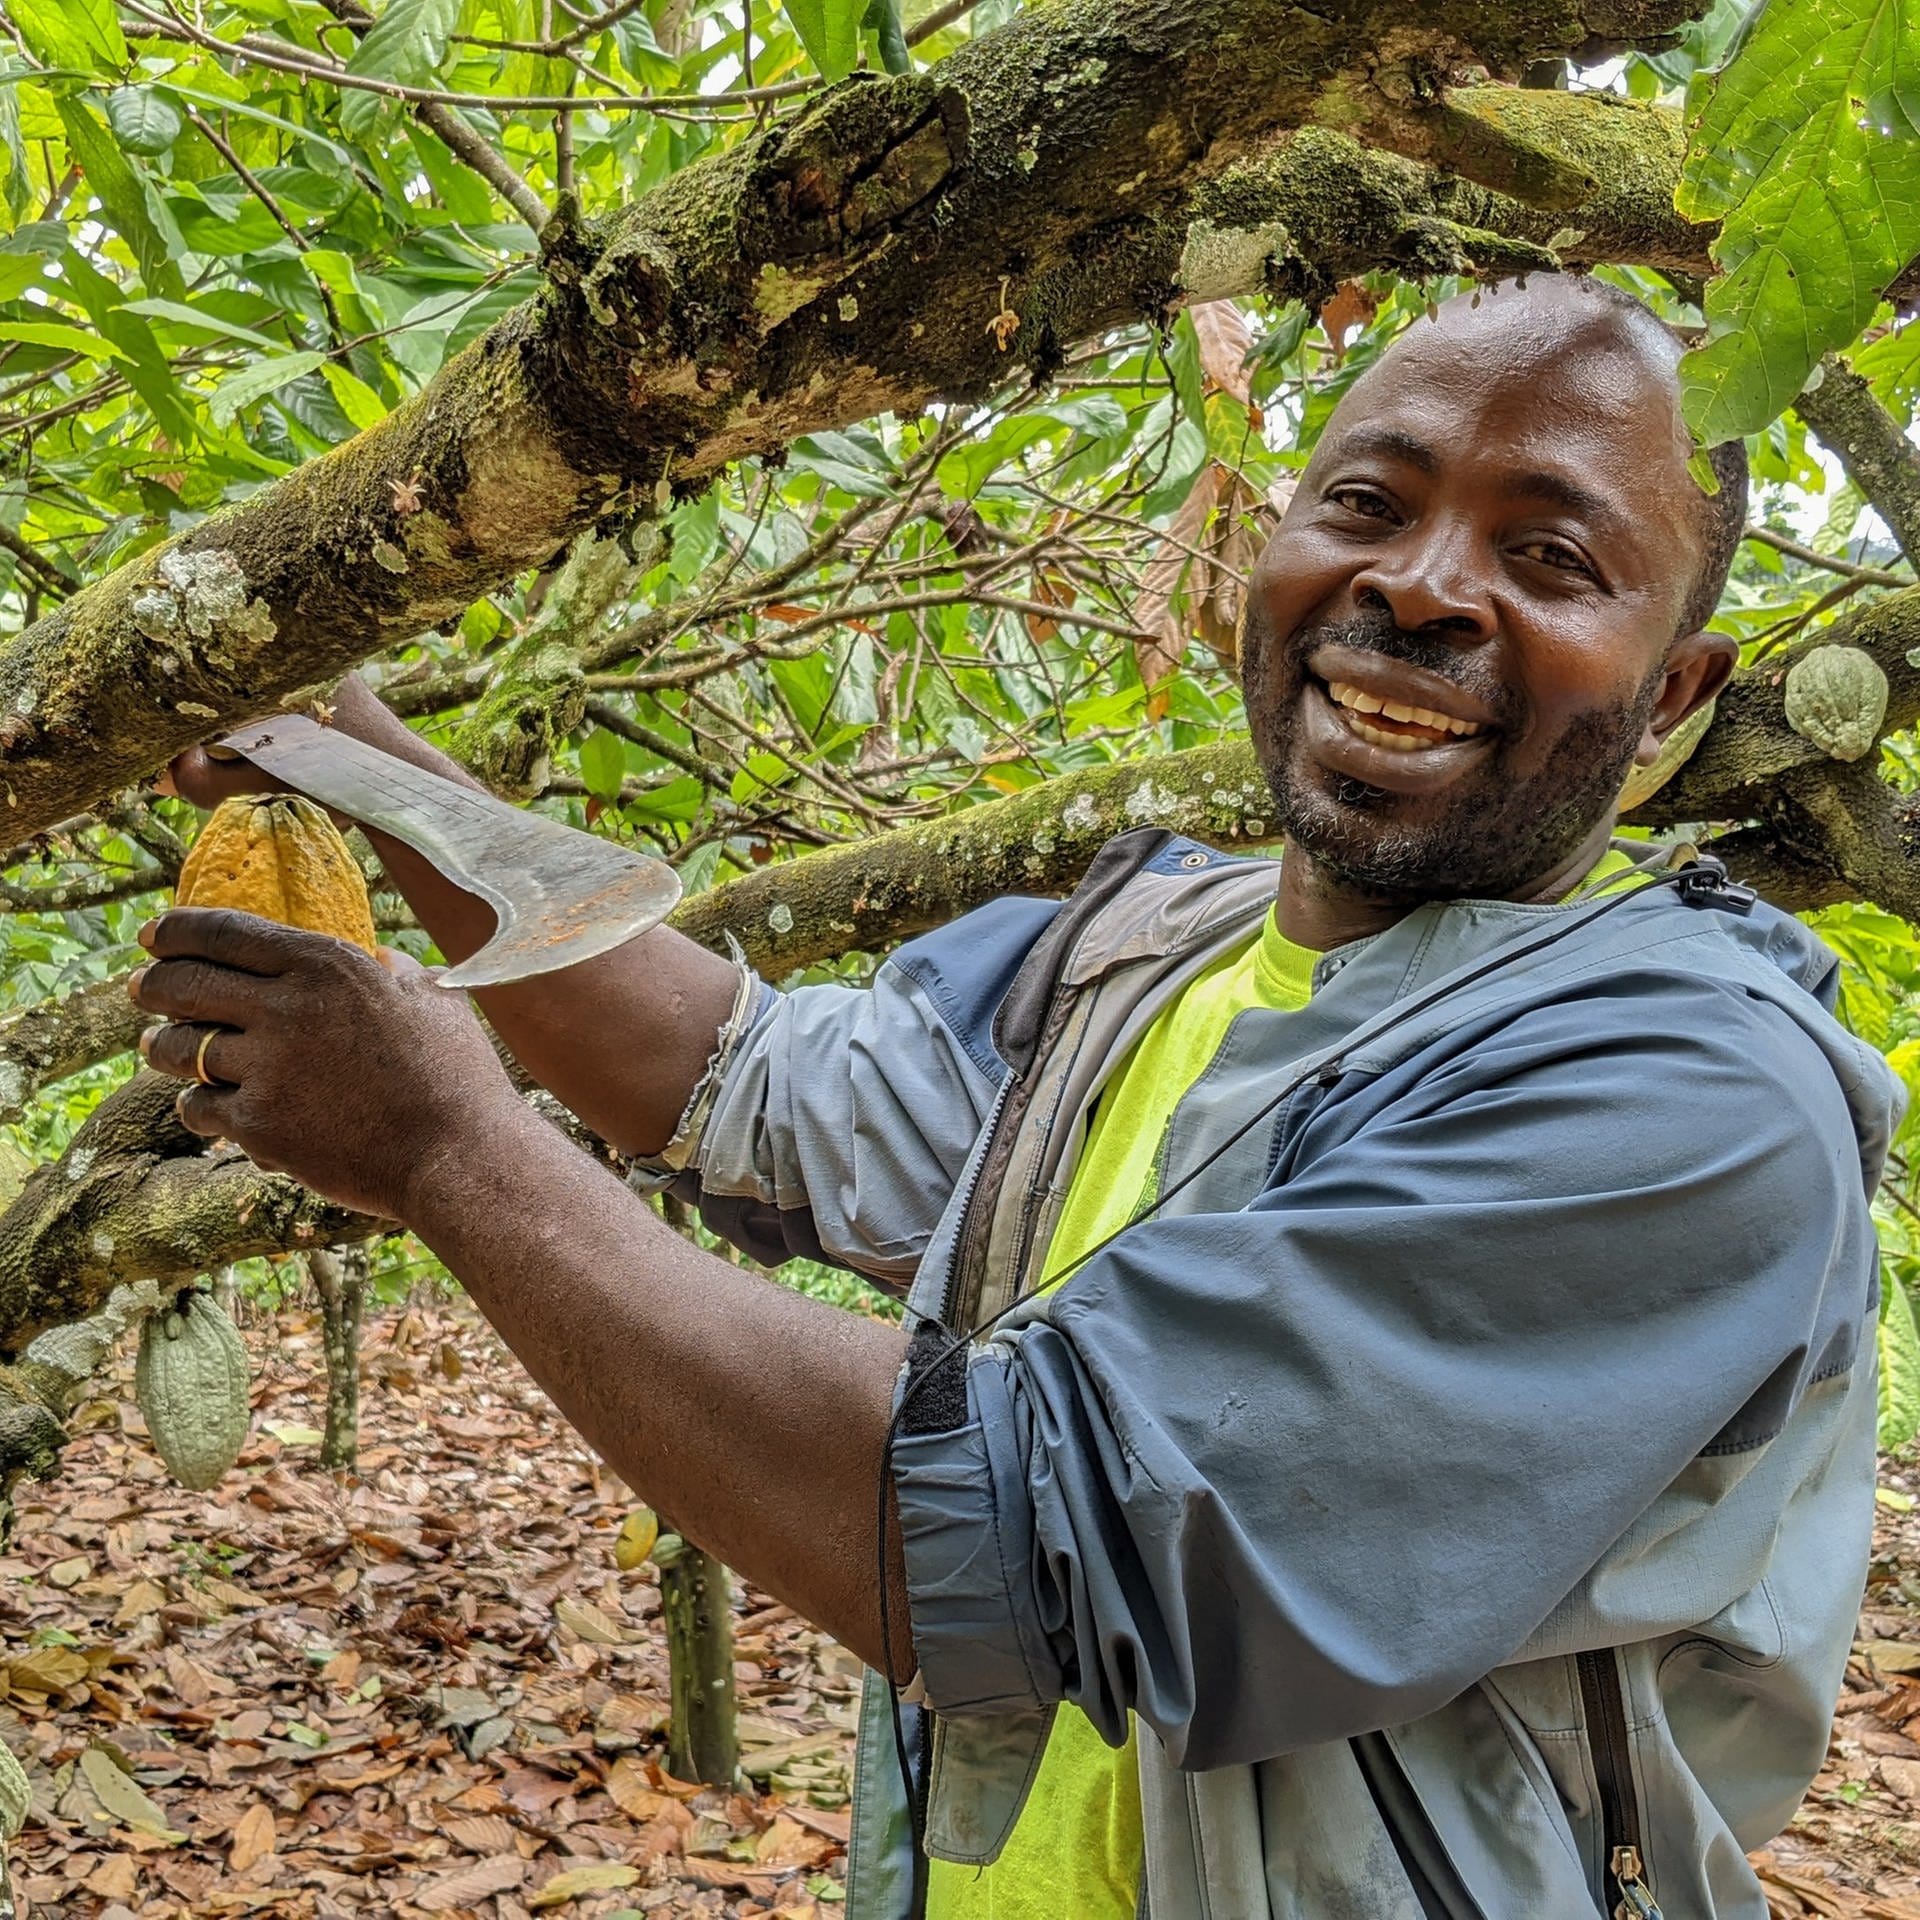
(1465,1476)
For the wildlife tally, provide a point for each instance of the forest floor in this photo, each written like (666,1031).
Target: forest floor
(430,1691)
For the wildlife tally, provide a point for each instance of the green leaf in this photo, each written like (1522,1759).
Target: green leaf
(143,119)
(603,764)
(1899,1362)
(55,333)
(1806,146)
(363,407)
(408,42)
(72,33)
(185,316)
(130,205)
(248,384)
(830,32)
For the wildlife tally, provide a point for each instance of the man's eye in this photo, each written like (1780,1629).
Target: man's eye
(1362,500)
(1556,553)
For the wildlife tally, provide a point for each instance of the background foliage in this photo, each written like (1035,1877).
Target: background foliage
(237,233)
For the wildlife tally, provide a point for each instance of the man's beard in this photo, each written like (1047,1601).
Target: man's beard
(1492,833)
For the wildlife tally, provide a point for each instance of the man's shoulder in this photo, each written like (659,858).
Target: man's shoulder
(1145,891)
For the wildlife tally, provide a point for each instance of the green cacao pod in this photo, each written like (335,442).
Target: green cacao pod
(191,1382)
(16,1796)
(1836,697)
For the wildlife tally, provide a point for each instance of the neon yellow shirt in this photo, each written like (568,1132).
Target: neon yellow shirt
(1077,1851)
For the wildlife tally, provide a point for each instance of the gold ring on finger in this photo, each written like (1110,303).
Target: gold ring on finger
(200,1072)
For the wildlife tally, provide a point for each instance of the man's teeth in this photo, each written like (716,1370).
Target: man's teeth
(1435,727)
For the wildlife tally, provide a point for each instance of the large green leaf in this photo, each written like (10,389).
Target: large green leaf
(408,42)
(1806,146)
(1899,1362)
(56,333)
(253,383)
(830,32)
(143,119)
(78,34)
(132,210)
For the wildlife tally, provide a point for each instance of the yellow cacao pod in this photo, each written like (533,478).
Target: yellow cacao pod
(190,1380)
(638,1531)
(278,855)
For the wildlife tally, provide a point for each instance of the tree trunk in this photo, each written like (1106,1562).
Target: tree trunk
(340,1279)
(703,1742)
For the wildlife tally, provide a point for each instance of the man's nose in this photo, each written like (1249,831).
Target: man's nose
(1432,585)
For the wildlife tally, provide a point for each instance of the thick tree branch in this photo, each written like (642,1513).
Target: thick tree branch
(1879,458)
(135,1198)
(54,1038)
(817,273)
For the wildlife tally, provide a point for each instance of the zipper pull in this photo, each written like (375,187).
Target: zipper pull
(1636,1897)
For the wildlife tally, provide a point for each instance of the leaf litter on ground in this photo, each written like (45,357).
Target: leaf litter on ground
(427,1689)
(423,1689)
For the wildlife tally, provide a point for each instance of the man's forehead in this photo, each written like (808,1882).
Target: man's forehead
(1573,399)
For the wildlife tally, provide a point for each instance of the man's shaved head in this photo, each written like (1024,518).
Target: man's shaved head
(1486,600)
(1723,515)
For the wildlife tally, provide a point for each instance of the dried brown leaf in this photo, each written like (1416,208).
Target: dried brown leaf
(467,1886)
(253,1838)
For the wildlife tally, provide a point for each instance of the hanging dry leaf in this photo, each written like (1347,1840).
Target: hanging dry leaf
(1350,308)
(253,1838)
(1225,342)
(1160,607)
(1195,585)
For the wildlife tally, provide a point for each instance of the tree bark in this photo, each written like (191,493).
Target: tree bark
(703,1740)
(815,274)
(340,1281)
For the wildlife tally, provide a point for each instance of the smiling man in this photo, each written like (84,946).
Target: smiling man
(1423,1463)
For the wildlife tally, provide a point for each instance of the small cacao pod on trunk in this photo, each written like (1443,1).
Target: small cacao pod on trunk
(190,1380)
(280,856)
(1836,697)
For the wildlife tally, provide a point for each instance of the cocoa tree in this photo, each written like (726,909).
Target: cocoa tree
(822,482)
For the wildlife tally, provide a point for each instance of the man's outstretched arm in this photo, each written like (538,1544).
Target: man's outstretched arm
(621,1040)
(755,1417)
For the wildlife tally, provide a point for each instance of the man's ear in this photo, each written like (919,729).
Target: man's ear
(1698,666)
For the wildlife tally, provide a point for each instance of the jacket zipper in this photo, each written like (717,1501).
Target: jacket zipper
(1606,1713)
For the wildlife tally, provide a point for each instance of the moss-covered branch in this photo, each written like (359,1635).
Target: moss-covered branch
(53,1038)
(136,1197)
(1879,458)
(815,274)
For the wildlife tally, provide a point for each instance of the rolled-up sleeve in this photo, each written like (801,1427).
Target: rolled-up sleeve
(835,1121)
(1276,1477)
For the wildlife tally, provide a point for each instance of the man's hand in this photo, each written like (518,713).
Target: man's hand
(357,1076)
(622,1039)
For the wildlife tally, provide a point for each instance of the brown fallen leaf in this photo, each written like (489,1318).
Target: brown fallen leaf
(1890,1656)
(600,1876)
(469,1885)
(1903,1776)
(253,1838)
(583,1618)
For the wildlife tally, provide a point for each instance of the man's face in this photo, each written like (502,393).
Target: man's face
(1457,637)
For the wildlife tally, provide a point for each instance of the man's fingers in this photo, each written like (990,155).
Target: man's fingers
(203,1110)
(195,775)
(193,1051)
(196,990)
(227,938)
